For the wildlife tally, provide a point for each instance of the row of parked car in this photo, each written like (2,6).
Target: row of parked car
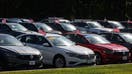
(60,42)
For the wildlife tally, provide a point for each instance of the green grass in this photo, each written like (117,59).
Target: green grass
(104,69)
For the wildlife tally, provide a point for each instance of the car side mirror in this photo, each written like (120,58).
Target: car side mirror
(24,43)
(46,44)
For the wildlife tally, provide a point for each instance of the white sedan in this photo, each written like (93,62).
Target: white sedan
(58,50)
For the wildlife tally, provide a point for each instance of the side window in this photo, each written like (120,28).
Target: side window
(78,39)
(4,27)
(31,39)
(81,39)
(41,40)
(52,25)
(90,25)
(118,39)
(77,24)
(109,26)
(68,36)
(30,27)
(22,39)
(59,27)
(81,24)
(108,36)
(71,37)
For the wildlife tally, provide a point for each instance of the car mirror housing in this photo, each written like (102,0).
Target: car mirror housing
(46,44)
(24,43)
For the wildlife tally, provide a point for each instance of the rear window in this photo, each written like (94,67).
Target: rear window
(30,26)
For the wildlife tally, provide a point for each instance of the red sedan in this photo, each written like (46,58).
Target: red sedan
(106,52)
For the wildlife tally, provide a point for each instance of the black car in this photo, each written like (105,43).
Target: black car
(13,29)
(124,39)
(116,25)
(40,28)
(13,54)
(64,27)
(91,27)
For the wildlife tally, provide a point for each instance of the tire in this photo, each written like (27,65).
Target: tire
(98,59)
(3,66)
(59,62)
(3,63)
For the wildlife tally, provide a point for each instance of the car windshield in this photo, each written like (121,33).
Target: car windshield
(44,27)
(97,40)
(127,37)
(68,27)
(17,27)
(94,25)
(60,41)
(9,41)
(117,24)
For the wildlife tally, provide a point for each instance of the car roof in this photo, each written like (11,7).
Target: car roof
(90,35)
(39,23)
(118,33)
(30,34)
(47,34)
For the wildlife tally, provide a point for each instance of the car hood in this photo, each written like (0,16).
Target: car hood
(77,49)
(29,32)
(23,50)
(55,32)
(103,29)
(113,47)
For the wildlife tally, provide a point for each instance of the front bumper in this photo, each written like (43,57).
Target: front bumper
(72,61)
(115,58)
(21,63)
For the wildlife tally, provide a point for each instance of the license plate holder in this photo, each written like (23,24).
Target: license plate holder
(124,58)
(32,62)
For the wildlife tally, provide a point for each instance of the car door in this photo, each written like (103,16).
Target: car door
(42,44)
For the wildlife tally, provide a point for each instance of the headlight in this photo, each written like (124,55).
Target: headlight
(107,51)
(71,54)
(83,32)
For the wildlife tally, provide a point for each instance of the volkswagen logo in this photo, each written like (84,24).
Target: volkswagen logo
(31,56)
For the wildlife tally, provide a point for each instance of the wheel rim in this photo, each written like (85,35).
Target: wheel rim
(59,62)
(98,59)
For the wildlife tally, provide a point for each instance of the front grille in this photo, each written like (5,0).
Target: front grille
(121,53)
(29,57)
(90,56)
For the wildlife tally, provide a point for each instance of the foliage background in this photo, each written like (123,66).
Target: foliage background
(91,9)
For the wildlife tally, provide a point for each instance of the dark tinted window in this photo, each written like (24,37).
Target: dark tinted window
(30,26)
(105,24)
(77,38)
(113,38)
(41,40)
(126,24)
(4,27)
(55,26)
(33,39)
